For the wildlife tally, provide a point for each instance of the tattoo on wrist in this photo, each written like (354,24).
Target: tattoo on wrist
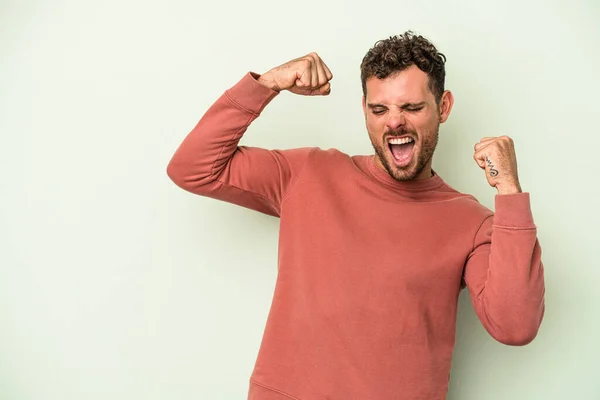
(493,171)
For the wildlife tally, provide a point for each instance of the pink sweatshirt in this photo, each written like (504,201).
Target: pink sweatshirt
(370,269)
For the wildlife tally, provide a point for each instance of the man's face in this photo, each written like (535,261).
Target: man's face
(403,119)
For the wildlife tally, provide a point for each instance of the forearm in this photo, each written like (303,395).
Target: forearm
(510,297)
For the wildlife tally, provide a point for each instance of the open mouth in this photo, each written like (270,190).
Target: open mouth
(402,149)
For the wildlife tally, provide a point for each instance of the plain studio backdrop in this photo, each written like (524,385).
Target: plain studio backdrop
(116,284)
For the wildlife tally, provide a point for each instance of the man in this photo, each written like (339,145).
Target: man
(374,250)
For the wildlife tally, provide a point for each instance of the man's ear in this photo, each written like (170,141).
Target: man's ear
(446,103)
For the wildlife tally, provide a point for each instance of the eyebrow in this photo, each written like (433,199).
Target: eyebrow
(403,106)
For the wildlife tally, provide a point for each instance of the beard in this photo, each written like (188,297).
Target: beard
(423,153)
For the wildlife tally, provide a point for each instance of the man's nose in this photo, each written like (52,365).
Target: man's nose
(395,120)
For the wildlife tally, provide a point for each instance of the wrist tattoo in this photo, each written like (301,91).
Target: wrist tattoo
(493,171)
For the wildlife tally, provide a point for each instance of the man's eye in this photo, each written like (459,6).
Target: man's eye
(378,112)
(414,109)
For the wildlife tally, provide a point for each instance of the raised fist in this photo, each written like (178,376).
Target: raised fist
(308,76)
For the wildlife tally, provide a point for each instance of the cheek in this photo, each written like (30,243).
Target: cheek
(374,126)
(416,122)
(421,125)
(426,121)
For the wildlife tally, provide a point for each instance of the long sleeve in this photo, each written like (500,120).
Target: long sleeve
(504,273)
(210,163)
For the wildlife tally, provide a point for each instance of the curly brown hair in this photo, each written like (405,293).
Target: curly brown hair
(399,52)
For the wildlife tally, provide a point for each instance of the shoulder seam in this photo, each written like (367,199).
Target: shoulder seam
(478,229)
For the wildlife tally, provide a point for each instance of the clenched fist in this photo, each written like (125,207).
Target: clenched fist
(308,76)
(497,156)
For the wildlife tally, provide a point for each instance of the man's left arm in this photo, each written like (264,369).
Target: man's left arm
(504,273)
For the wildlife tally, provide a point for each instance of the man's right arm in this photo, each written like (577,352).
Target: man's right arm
(209,161)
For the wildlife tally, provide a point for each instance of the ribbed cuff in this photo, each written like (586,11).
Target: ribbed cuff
(513,210)
(251,95)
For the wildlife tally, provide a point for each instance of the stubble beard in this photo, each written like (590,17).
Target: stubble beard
(410,172)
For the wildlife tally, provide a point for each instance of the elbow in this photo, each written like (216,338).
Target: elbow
(520,332)
(175,172)
(516,325)
(526,329)
(179,174)
(520,337)
(189,177)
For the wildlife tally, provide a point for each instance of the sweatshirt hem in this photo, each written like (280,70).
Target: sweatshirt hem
(241,107)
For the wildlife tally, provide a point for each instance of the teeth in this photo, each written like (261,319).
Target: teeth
(401,140)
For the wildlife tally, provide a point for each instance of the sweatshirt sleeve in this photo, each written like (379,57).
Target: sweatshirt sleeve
(504,272)
(210,163)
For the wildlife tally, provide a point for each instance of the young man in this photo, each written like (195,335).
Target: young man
(374,249)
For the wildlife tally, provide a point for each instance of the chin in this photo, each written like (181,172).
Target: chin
(404,174)
(408,173)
